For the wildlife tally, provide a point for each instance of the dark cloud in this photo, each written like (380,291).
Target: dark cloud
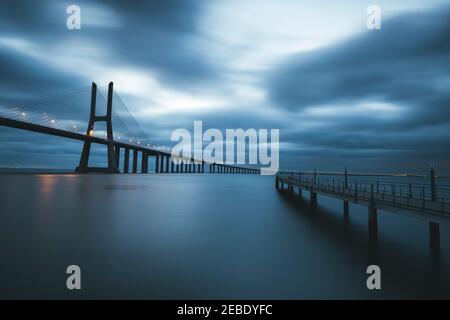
(162,35)
(406,64)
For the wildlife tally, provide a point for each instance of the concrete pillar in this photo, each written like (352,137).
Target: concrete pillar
(144,162)
(167,164)
(203,166)
(117,156)
(435,241)
(135,160)
(182,165)
(172,166)
(313,199)
(126,160)
(178,168)
(346,209)
(277,183)
(157,163)
(162,164)
(300,192)
(373,225)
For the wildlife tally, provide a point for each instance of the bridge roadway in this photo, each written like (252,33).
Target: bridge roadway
(160,167)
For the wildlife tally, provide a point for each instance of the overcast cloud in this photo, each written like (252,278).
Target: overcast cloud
(340,94)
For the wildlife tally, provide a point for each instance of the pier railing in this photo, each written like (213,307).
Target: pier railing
(418,193)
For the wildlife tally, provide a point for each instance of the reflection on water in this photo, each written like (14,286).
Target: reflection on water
(202,236)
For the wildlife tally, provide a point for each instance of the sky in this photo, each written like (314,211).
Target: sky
(340,94)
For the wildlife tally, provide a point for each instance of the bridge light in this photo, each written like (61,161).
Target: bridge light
(24,114)
(52,121)
(91,132)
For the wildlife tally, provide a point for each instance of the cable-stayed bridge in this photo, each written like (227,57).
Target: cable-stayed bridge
(61,116)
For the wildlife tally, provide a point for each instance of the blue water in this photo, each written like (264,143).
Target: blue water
(202,237)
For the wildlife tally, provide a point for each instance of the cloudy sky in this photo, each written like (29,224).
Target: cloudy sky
(341,95)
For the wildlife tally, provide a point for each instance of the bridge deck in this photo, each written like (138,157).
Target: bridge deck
(71,135)
(438,211)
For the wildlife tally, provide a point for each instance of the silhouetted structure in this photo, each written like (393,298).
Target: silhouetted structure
(163,159)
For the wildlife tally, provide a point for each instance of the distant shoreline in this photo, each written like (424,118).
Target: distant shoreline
(10,171)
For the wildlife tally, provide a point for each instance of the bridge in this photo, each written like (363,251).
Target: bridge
(32,117)
(412,195)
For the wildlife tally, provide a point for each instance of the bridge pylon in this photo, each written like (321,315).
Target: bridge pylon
(83,166)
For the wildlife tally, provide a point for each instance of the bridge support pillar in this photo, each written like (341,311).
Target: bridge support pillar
(157,163)
(162,164)
(111,152)
(135,160)
(172,165)
(313,199)
(167,164)
(373,225)
(178,168)
(126,161)
(117,156)
(435,241)
(300,192)
(346,209)
(144,162)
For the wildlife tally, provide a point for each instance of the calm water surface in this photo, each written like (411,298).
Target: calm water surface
(202,236)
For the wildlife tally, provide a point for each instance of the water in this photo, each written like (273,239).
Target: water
(202,236)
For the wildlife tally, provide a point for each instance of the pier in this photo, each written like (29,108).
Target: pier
(427,200)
